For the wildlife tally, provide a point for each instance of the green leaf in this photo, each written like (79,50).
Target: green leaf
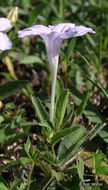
(79,80)
(15,183)
(48,129)
(58,175)
(5,132)
(8,134)
(47,123)
(39,8)
(80,168)
(82,105)
(30,89)
(70,48)
(1,119)
(23,186)
(10,106)
(59,88)
(94,82)
(31,151)
(97,159)
(27,123)
(12,87)
(61,107)
(10,164)
(91,110)
(67,151)
(33,154)
(26,3)
(104,134)
(90,40)
(27,146)
(15,54)
(63,133)
(62,9)
(49,157)
(25,160)
(43,117)
(69,141)
(7,76)
(67,118)
(30,59)
(39,109)
(3,184)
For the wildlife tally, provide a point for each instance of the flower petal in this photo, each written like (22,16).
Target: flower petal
(25,33)
(5,42)
(4,24)
(34,30)
(76,31)
(81,30)
(63,27)
(39,29)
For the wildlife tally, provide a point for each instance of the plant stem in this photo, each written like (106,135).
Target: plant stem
(48,183)
(53,150)
(53,88)
(29,177)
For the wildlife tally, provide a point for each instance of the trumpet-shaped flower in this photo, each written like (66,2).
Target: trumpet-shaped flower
(5,42)
(53,37)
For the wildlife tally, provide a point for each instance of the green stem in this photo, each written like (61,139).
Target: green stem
(48,183)
(52,147)
(29,177)
(53,88)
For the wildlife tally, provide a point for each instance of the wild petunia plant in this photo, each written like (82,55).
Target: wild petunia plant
(68,136)
(53,37)
(57,127)
(56,159)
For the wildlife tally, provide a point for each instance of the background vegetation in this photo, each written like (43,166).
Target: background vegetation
(78,151)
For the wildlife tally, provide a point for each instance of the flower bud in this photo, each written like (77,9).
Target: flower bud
(13,15)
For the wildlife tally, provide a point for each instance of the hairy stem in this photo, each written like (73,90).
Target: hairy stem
(53,88)
(29,177)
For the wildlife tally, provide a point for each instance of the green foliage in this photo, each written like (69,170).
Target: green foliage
(11,88)
(30,60)
(9,165)
(31,152)
(51,158)
(82,105)
(15,183)
(61,107)
(1,119)
(33,15)
(59,88)
(39,109)
(90,110)
(61,151)
(69,143)
(3,183)
(62,133)
(80,168)
(97,160)
(58,175)
(10,106)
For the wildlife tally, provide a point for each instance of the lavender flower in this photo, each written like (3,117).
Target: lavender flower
(53,37)
(5,42)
